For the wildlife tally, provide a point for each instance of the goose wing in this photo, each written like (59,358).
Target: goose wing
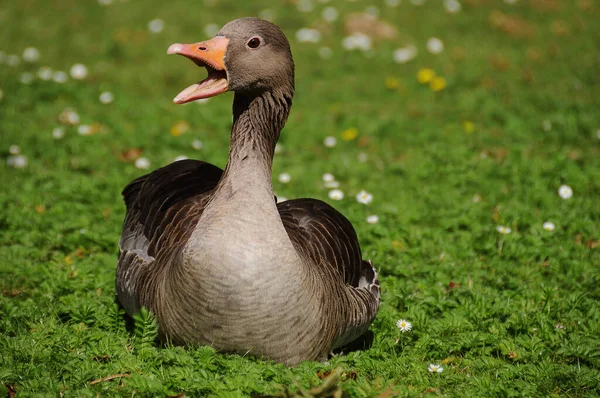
(323,235)
(162,209)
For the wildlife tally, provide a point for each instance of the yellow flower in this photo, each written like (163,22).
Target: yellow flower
(391,83)
(437,84)
(468,126)
(425,75)
(349,134)
(181,127)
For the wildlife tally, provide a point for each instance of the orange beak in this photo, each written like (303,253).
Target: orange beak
(211,55)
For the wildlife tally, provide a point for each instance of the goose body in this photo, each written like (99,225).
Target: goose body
(212,254)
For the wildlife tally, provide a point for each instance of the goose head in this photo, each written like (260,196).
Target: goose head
(247,56)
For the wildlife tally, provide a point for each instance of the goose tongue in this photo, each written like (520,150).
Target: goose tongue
(211,55)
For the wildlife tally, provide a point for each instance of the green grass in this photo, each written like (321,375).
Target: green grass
(505,315)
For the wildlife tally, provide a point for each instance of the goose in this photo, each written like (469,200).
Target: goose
(213,255)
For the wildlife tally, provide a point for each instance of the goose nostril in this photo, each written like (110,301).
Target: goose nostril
(202,48)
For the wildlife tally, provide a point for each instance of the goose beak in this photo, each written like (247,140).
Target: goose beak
(209,54)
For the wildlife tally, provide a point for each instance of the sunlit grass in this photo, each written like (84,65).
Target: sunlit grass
(475,195)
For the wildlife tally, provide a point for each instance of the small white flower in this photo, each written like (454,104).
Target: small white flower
(372,219)
(58,133)
(503,230)
(357,41)
(435,45)
(12,60)
(405,54)
(142,163)
(560,326)
(404,325)
(197,144)
(26,78)
(60,77)
(330,142)
(565,191)
(330,14)
(211,29)
(106,97)
(336,194)
(69,116)
(156,25)
(180,157)
(363,157)
(14,149)
(452,6)
(547,125)
(435,368)
(372,12)
(31,54)
(548,226)
(284,178)
(325,52)
(267,14)
(79,71)
(17,161)
(328,177)
(82,231)
(332,184)
(45,73)
(364,197)
(307,35)
(84,129)
(305,5)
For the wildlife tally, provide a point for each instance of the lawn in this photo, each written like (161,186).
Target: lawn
(481,150)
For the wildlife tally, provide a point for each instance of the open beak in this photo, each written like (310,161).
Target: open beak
(209,54)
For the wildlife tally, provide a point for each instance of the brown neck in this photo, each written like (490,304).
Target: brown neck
(257,123)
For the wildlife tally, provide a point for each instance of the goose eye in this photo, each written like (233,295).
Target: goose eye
(253,42)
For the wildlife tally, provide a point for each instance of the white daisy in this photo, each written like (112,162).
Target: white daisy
(60,76)
(405,54)
(156,25)
(308,35)
(404,325)
(211,29)
(330,14)
(435,45)
(45,73)
(435,368)
(14,149)
(142,163)
(372,219)
(17,161)
(26,78)
(327,177)
(364,197)
(565,191)
(31,54)
(197,144)
(336,194)
(548,226)
(58,133)
(84,129)
(452,6)
(325,52)
(106,97)
(12,60)
(79,71)
(330,142)
(357,41)
(284,178)
(503,230)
